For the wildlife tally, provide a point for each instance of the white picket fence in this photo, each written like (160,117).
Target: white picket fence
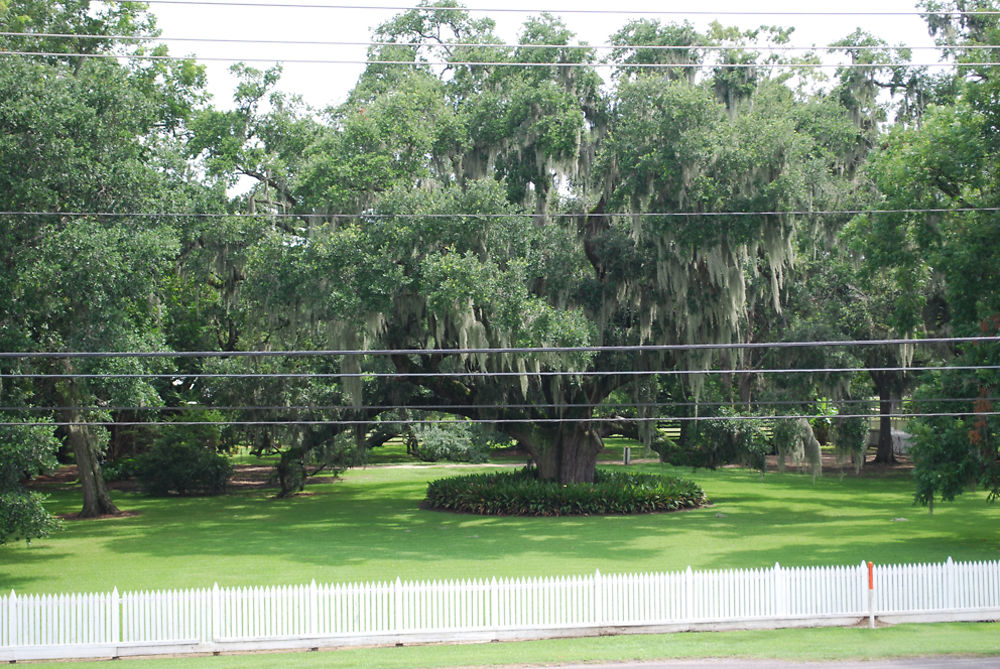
(303,616)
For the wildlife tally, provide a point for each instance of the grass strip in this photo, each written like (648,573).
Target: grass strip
(856,643)
(369,527)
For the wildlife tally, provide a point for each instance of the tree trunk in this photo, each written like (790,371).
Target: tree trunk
(886,400)
(96,499)
(566,453)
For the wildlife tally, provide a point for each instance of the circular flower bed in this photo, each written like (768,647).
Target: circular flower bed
(521,493)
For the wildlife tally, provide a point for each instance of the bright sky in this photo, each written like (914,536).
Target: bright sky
(326,84)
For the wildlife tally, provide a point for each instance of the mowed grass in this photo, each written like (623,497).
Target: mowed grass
(368,526)
(855,643)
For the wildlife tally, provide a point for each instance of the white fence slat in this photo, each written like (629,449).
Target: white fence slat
(468,605)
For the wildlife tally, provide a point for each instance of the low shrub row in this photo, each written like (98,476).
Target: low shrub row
(522,493)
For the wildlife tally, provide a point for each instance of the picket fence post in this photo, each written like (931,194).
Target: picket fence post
(116,616)
(313,609)
(216,612)
(949,583)
(689,594)
(871,592)
(780,593)
(494,604)
(397,605)
(598,599)
(12,628)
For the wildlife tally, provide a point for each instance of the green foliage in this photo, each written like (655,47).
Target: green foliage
(733,437)
(822,424)
(953,454)
(851,436)
(22,516)
(793,437)
(184,459)
(332,453)
(25,451)
(522,493)
(120,469)
(455,442)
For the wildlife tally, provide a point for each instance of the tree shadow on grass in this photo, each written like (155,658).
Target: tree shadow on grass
(369,526)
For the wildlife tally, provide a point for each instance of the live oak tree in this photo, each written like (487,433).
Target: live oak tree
(948,163)
(498,206)
(86,135)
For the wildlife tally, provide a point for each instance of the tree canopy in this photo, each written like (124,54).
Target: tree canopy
(525,203)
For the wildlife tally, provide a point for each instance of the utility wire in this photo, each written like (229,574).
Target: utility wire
(474,374)
(370,43)
(537,10)
(487,63)
(450,408)
(498,421)
(377,216)
(637,348)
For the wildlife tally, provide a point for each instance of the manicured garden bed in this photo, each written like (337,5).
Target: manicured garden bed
(522,493)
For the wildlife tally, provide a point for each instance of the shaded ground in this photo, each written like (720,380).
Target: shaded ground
(246,477)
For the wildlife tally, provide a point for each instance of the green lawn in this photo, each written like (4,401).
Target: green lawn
(368,527)
(791,644)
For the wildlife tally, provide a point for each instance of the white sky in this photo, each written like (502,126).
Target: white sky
(326,84)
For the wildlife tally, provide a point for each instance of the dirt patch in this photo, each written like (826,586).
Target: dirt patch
(244,477)
(833,466)
(104,516)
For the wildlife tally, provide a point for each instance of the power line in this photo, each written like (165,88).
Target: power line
(498,421)
(377,216)
(445,408)
(501,374)
(451,408)
(488,63)
(637,348)
(371,43)
(537,10)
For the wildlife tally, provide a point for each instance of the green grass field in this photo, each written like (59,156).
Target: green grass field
(791,644)
(368,526)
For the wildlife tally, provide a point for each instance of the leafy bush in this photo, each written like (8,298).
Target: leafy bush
(25,451)
(794,437)
(731,437)
(522,493)
(334,454)
(822,424)
(852,439)
(121,469)
(454,442)
(184,460)
(22,516)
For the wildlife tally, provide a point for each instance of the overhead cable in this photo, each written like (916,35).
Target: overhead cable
(481,374)
(537,10)
(450,408)
(488,63)
(495,45)
(636,348)
(558,215)
(497,421)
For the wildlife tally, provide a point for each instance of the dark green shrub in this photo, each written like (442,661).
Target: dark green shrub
(454,442)
(22,516)
(184,460)
(852,438)
(729,438)
(521,493)
(334,454)
(121,469)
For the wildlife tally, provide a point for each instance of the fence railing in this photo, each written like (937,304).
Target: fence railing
(197,620)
